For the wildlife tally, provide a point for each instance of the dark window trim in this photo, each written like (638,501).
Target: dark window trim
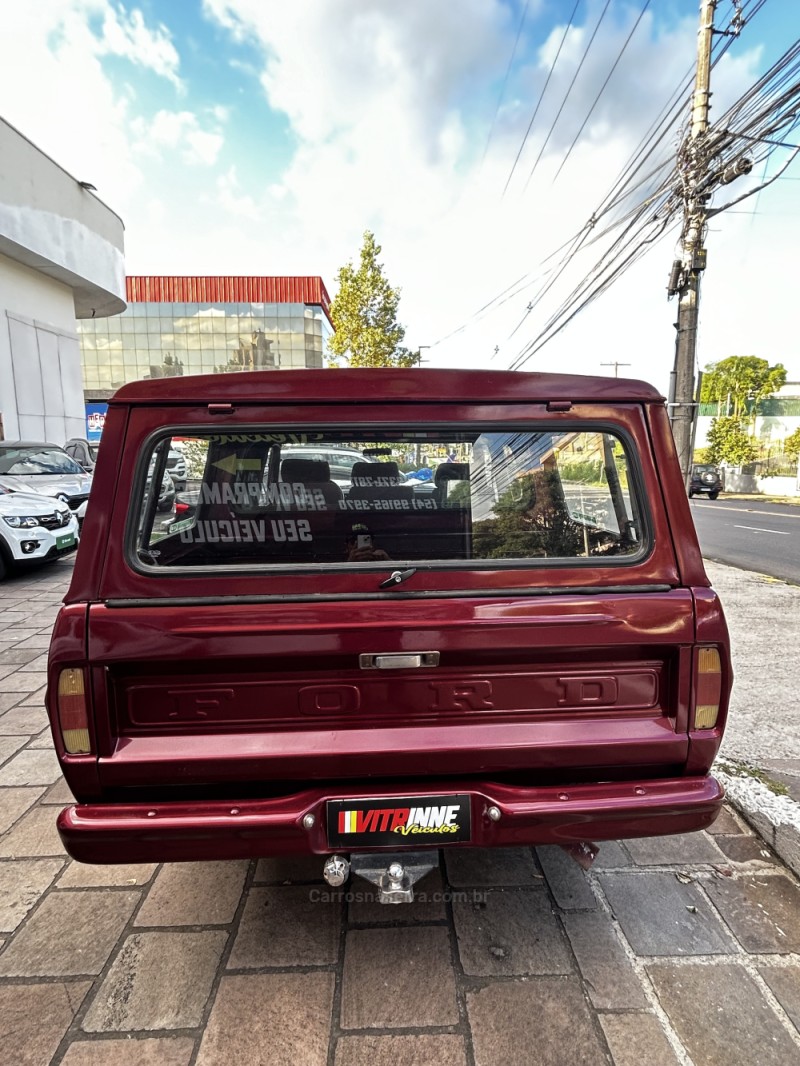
(427,594)
(270,569)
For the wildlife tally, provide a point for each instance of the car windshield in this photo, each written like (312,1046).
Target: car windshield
(36,461)
(507,494)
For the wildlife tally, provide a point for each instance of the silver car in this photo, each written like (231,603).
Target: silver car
(43,469)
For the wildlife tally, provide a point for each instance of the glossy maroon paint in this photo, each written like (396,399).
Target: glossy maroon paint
(242,691)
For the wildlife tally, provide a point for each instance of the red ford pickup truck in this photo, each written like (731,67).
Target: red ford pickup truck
(395,610)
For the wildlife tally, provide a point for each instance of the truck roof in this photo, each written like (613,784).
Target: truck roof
(411,385)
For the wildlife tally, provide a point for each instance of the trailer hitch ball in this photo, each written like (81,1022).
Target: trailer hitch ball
(336,870)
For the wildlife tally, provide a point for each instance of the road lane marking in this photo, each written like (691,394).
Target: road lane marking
(748,510)
(758,529)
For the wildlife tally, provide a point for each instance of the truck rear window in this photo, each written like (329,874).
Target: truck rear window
(359,497)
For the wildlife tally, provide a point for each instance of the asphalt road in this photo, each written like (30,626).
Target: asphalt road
(764,537)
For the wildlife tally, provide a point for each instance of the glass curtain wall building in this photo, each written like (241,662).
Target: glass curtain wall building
(184,325)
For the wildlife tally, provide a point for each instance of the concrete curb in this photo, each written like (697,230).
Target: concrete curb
(775,818)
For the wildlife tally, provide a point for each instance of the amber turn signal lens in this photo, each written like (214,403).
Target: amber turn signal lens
(73,717)
(707,687)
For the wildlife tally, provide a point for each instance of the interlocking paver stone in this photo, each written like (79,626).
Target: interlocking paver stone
(59,793)
(194,893)
(763,912)
(18,656)
(269,1020)
(542,1019)
(294,869)
(286,926)
(567,881)
(654,912)
(85,875)
(43,740)
(14,802)
(70,933)
(491,867)
(34,834)
(159,980)
(31,767)
(398,978)
(399,1050)
(10,745)
(21,885)
(513,932)
(611,856)
(34,1018)
(735,1025)
(23,720)
(610,979)
(672,850)
(784,983)
(146,1051)
(634,1039)
(745,849)
(22,682)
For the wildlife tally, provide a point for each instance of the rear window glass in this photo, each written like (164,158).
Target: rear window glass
(367,497)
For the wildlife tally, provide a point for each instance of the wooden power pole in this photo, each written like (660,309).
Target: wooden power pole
(686,272)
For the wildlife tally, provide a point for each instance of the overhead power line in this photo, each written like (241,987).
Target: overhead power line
(541,96)
(505,79)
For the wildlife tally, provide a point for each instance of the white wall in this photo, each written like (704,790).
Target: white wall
(41,393)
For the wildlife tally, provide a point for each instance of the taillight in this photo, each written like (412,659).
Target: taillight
(73,716)
(181,508)
(707,687)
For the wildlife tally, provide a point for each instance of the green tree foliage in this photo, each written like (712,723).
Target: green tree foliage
(740,382)
(791,446)
(530,520)
(728,442)
(364,314)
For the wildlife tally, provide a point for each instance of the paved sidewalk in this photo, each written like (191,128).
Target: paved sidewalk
(673,950)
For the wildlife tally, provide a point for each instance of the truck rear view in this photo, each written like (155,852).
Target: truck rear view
(393,611)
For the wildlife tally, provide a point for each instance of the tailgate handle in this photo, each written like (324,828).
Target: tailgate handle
(399,660)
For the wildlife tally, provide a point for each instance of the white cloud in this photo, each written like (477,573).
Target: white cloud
(178,131)
(390,105)
(129,37)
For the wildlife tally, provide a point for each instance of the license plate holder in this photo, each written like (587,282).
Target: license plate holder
(399,821)
(66,540)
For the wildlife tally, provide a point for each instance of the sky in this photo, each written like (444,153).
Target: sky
(265,137)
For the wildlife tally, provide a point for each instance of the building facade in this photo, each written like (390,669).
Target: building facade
(61,259)
(204,325)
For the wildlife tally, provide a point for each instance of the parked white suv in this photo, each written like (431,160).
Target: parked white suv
(34,529)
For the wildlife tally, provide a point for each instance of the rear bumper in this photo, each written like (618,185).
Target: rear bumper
(173,832)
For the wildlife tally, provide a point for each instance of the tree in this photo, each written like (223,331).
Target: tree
(728,442)
(791,446)
(364,314)
(740,380)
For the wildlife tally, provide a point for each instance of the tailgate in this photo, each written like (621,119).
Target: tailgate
(272,692)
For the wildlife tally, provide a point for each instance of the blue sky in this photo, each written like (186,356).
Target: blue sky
(260,137)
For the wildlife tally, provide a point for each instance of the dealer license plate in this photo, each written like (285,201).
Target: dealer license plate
(400,820)
(66,540)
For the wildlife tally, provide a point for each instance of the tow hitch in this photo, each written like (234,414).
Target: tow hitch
(395,874)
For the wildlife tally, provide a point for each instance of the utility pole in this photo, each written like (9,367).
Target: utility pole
(616,366)
(686,272)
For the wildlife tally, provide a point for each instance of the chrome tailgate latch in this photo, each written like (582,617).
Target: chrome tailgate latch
(399,660)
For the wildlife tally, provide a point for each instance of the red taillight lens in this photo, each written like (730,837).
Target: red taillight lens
(181,508)
(73,716)
(707,687)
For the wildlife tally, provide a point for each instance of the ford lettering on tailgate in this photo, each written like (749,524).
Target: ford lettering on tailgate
(412,820)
